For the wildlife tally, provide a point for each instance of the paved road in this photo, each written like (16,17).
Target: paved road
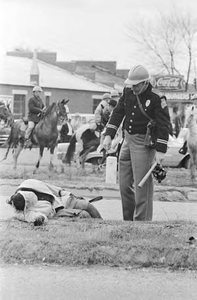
(112,210)
(29,157)
(22,282)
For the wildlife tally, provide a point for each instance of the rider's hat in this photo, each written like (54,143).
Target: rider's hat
(37,88)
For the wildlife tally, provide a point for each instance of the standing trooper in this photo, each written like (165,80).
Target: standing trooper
(36,107)
(135,157)
(101,112)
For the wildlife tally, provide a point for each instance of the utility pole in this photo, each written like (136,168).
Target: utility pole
(195,74)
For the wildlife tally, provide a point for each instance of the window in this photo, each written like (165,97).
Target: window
(95,103)
(19,106)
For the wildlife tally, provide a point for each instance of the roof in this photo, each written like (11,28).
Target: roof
(16,71)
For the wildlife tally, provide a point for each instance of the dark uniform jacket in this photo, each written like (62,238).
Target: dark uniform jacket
(35,108)
(135,122)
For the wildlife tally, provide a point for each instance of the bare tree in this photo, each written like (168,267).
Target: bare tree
(188,30)
(164,39)
(158,40)
(171,40)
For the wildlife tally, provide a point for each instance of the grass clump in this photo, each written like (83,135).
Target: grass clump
(105,243)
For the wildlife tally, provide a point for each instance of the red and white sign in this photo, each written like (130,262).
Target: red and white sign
(170,83)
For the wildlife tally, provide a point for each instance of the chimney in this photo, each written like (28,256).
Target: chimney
(34,72)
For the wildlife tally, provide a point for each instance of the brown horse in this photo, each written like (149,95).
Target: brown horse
(45,133)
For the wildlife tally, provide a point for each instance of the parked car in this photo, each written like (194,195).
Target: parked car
(172,157)
(84,118)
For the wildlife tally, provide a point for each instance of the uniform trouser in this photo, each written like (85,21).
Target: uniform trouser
(135,161)
(29,129)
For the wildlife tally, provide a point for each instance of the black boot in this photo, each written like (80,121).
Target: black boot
(183,150)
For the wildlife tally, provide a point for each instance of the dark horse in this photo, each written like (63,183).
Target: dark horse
(45,133)
(88,142)
(6,114)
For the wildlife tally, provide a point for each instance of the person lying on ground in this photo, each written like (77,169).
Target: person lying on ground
(36,201)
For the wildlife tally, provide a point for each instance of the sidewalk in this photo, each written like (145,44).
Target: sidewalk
(112,210)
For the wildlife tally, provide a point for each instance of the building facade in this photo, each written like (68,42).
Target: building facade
(19,75)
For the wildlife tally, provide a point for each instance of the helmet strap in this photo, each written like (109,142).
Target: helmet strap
(143,88)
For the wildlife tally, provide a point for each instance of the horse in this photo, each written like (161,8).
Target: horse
(6,114)
(83,141)
(66,132)
(45,133)
(191,137)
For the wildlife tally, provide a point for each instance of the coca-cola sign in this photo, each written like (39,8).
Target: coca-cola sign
(170,83)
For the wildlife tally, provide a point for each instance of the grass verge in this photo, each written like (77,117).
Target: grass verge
(70,242)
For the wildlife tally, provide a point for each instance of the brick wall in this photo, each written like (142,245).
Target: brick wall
(108,65)
(80,101)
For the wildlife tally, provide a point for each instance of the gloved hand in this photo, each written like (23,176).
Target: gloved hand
(159,157)
(43,111)
(107,142)
(39,221)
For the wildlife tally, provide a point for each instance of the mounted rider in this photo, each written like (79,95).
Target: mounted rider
(36,110)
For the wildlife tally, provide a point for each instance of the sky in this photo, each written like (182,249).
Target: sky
(79,29)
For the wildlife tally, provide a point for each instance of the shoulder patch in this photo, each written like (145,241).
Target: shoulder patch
(163,103)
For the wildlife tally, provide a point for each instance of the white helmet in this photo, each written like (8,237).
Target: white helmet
(37,89)
(114,94)
(137,74)
(106,96)
(194,97)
